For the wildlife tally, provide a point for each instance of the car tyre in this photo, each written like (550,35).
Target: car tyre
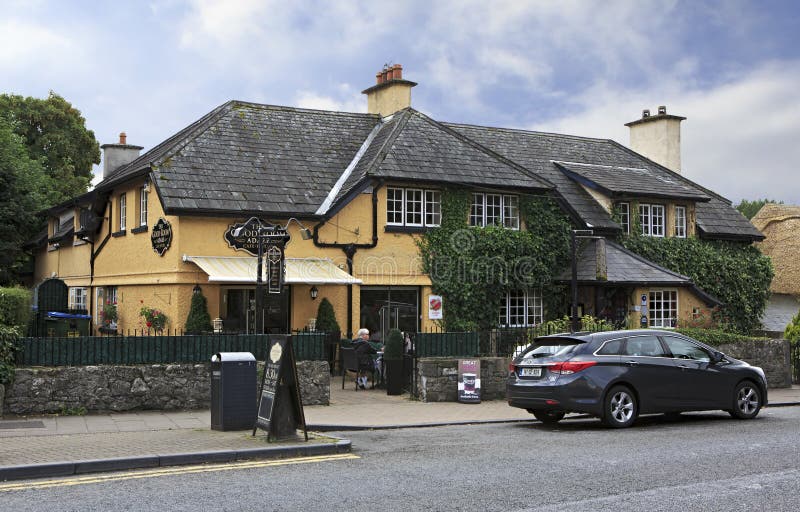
(548,417)
(620,407)
(746,401)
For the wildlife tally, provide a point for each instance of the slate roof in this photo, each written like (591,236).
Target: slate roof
(413,147)
(616,180)
(625,268)
(537,151)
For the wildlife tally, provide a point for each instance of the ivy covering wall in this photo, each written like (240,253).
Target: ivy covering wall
(473,268)
(737,274)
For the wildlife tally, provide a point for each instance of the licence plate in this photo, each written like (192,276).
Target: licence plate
(530,372)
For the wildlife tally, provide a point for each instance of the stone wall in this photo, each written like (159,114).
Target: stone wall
(772,356)
(437,380)
(123,388)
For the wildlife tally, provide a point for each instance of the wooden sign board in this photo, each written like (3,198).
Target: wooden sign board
(280,408)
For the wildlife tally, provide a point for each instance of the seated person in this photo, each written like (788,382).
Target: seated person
(363,349)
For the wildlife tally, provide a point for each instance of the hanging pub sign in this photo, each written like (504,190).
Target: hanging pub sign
(274,254)
(244,236)
(280,408)
(469,381)
(161,237)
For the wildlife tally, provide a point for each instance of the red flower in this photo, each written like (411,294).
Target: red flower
(149,324)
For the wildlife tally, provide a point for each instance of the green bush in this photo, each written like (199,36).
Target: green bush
(792,332)
(15,307)
(715,337)
(9,346)
(198,320)
(588,323)
(326,317)
(393,350)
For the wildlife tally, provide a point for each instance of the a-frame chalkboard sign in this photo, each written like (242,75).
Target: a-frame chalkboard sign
(280,408)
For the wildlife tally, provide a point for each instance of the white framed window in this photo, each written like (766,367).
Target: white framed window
(494,210)
(77,298)
(624,210)
(143,205)
(413,207)
(521,308)
(433,207)
(680,221)
(394,206)
(651,217)
(663,308)
(123,211)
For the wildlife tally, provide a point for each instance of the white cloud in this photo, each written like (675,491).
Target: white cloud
(28,45)
(348,102)
(739,139)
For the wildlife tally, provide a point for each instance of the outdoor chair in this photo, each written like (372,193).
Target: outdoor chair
(361,364)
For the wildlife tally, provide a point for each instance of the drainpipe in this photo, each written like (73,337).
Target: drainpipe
(350,251)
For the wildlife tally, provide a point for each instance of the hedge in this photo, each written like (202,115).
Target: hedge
(15,307)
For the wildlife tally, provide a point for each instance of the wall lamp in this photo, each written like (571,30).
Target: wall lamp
(305,233)
(314,292)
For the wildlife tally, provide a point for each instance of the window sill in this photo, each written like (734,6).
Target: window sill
(119,233)
(406,229)
(140,229)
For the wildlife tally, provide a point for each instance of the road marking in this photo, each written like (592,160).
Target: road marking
(178,470)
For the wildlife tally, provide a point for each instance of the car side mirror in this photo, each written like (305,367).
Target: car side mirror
(716,357)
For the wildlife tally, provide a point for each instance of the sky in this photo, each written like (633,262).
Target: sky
(151,68)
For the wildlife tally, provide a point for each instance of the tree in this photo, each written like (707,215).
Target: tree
(54,134)
(326,317)
(198,320)
(21,185)
(750,208)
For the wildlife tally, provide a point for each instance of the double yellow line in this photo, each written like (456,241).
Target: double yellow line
(181,470)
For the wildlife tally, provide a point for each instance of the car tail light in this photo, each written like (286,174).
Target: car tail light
(512,367)
(570,367)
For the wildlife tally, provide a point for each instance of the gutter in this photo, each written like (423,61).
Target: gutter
(350,251)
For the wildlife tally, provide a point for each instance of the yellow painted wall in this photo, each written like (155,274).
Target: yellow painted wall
(687,301)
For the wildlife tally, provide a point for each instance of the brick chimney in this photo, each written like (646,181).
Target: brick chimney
(390,92)
(117,155)
(658,137)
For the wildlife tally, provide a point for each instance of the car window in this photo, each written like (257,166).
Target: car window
(547,348)
(645,346)
(611,348)
(684,349)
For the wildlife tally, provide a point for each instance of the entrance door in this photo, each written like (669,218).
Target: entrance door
(241,311)
(383,309)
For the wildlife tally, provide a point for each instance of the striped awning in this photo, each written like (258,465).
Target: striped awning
(230,269)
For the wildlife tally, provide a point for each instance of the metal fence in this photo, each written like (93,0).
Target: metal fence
(794,352)
(142,349)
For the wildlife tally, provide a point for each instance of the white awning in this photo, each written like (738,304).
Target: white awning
(230,269)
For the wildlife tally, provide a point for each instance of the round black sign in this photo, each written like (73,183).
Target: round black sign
(161,237)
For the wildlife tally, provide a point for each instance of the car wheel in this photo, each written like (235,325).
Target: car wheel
(746,401)
(548,417)
(620,408)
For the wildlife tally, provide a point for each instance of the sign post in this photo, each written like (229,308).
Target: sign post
(280,408)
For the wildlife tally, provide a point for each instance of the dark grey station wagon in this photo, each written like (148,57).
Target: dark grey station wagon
(618,375)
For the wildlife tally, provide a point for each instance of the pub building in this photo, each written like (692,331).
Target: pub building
(352,191)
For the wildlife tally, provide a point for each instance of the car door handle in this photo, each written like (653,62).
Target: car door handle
(683,367)
(633,363)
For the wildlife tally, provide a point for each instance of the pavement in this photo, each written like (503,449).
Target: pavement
(53,446)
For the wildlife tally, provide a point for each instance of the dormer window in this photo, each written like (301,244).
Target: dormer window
(143,205)
(680,221)
(122,212)
(413,207)
(624,212)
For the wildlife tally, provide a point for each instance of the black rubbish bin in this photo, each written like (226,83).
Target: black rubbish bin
(233,391)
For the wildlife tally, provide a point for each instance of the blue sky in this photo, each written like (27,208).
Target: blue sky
(150,68)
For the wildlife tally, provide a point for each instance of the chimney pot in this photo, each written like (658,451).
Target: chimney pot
(390,73)
(662,110)
(122,138)
(645,113)
(378,77)
(398,72)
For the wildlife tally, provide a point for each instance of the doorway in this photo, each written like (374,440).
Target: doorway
(386,308)
(240,311)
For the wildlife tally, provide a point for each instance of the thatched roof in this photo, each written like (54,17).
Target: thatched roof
(780,224)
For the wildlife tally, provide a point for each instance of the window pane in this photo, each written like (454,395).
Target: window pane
(680,221)
(657,220)
(142,207)
(644,218)
(663,308)
(625,216)
(413,207)
(535,307)
(683,349)
(644,346)
(494,210)
(611,348)
(476,210)
(122,212)
(433,208)
(511,212)
(394,205)
(516,308)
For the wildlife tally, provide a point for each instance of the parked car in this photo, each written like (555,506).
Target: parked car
(617,375)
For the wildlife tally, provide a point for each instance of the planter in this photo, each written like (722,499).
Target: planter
(394,377)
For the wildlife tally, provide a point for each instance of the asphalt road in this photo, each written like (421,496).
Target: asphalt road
(702,462)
